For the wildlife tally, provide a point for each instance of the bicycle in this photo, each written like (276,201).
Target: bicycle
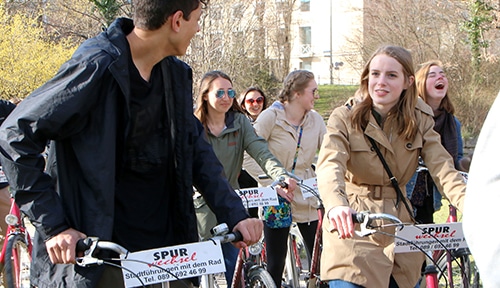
(250,270)
(297,249)
(434,271)
(15,258)
(155,273)
(293,262)
(469,274)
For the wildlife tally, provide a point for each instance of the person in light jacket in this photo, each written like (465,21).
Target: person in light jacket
(294,132)
(351,176)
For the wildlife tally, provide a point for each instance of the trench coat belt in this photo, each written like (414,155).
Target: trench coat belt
(377,192)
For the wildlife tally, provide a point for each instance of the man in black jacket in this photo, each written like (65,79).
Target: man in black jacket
(125,148)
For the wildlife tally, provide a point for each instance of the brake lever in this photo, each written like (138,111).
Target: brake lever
(88,259)
(364,230)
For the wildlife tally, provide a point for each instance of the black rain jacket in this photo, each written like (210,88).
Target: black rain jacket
(83,111)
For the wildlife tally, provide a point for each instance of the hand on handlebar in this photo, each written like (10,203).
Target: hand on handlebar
(251,230)
(341,219)
(62,247)
(286,191)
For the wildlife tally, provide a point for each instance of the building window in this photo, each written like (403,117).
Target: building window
(305,40)
(306,65)
(305,35)
(305,5)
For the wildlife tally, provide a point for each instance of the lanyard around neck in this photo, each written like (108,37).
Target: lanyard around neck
(297,150)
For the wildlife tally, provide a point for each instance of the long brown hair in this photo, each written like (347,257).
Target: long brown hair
(404,110)
(201,110)
(421,82)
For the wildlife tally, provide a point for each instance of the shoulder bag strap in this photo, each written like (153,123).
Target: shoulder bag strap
(394,181)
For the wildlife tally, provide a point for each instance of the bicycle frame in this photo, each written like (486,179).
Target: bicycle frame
(15,227)
(249,259)
(313,278)
(316,253)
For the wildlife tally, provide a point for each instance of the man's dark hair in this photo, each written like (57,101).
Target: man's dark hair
(152,14)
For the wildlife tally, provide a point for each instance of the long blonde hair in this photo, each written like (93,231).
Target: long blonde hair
(404,110)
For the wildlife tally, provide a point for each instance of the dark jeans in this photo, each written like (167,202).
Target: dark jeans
(230,256)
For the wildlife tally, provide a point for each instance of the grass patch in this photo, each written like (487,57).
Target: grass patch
(332,96)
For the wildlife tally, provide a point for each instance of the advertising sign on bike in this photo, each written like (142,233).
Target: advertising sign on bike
(312,183)
(430,237)
(258,196)
(173,263)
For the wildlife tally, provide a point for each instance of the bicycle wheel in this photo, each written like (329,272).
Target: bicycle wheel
(464,271)
(260,278)
(291,274)
(17,262)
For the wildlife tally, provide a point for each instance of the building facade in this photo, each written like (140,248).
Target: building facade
(323,32)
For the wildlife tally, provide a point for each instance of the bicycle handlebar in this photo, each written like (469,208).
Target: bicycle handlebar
(91,245)
(367,227)
(234,236)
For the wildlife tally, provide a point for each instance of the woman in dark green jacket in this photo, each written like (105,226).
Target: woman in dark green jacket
(230,133)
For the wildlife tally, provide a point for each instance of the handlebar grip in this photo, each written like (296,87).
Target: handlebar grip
(358,217)
(280,181)
(83,244)
(237,236)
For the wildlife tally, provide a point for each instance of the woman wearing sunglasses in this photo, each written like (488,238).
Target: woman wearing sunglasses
(231,134)
(253,102)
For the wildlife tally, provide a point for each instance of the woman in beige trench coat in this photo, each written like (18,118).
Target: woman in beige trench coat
(351,176)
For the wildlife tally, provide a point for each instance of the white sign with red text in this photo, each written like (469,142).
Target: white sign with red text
(258,196)
(172,263)
(430,237)
(311,183)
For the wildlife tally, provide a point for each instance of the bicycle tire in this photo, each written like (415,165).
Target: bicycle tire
(291,272)
(17,262)
(260,278)
(465,271)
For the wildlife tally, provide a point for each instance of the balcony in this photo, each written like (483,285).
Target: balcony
(306,51)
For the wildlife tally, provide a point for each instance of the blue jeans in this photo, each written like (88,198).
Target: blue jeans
(342,284)
(345,284)
(230,256)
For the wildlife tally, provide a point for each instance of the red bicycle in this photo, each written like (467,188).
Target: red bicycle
(15,258)
(440,262)
(293,266)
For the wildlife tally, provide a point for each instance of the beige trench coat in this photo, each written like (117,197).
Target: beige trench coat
(282,140)
(350,173)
